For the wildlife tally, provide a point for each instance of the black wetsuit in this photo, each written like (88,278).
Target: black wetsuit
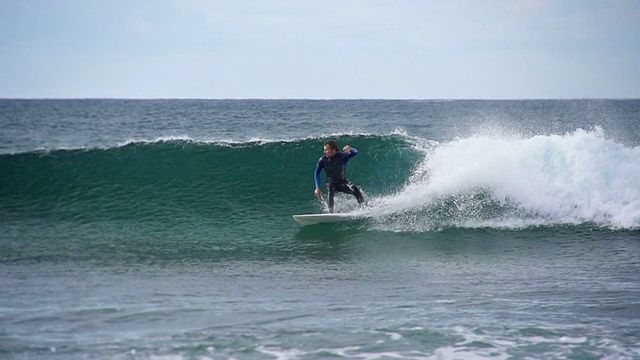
(336,181)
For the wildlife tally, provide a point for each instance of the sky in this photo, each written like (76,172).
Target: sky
(320,49)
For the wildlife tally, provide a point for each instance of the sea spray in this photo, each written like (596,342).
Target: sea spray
(511,181)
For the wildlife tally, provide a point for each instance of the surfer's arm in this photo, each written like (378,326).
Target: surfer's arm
(349,152)
(319,168)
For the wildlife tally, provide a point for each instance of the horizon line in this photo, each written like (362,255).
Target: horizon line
(316,99)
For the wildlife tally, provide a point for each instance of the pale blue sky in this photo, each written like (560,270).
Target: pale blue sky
(396,49)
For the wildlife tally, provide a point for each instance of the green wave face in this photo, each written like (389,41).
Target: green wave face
(162,181)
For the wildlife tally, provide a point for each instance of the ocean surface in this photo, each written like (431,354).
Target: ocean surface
(162,229)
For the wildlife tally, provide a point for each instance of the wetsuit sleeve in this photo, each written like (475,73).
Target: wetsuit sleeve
(319,168)
(353,152)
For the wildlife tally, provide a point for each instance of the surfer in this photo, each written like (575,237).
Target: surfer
(334,162)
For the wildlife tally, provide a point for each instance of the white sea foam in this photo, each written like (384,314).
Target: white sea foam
(159,139)
(460,342)
(573,178)
(261,140)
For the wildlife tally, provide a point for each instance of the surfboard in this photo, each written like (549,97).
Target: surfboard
(311,219)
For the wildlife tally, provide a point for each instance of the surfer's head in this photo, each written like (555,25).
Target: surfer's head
(330,148)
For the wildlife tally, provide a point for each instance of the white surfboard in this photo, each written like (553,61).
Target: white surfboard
(311,219)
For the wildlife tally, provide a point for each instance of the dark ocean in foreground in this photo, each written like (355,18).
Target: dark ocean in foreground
(162,229)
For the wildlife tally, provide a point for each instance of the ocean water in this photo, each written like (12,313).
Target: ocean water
(162,229)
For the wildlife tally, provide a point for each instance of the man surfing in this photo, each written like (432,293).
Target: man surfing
(334,162)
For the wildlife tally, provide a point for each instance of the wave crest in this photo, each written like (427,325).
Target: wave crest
(503,181)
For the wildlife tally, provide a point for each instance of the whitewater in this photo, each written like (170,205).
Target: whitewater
(573,178)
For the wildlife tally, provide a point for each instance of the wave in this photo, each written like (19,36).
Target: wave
(180,178)
(411,183)
(515,182)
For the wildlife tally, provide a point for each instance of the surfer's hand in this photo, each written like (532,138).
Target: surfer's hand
(318,192)
(346,148)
